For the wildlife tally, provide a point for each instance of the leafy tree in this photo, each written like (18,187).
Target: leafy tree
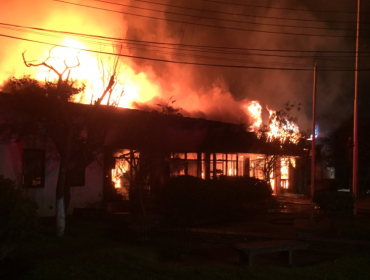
(169,109)
(45,108)
(287,135)
(146,163)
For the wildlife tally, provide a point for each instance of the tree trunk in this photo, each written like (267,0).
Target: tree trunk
(60,204)
(60,213)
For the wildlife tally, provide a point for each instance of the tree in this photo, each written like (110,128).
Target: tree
(169,109)
(146,165)
(281,132)
(75,133)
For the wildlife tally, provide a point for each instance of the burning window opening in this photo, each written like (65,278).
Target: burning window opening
(120,178)
(123,171)
(275,168)
(212,166)
(208,166)
(284,170)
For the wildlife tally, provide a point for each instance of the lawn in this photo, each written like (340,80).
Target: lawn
(95,250)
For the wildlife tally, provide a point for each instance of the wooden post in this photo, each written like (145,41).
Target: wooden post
(247,167)
(355,117)
(199,165)
(207,163)
(313,142)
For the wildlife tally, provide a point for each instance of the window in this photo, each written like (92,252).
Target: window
(33,168)
(178,164)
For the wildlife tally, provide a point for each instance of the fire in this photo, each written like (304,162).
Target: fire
(129,87)
(282,129)
(139,81)
(118,179)
(232,172)
(278,128)
(272,180)
(121,168)
(255,111)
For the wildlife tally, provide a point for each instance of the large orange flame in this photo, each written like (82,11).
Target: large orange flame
(255,111)
(137,83)
(282,129)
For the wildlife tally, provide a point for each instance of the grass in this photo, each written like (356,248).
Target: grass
(89,252)
(359,229)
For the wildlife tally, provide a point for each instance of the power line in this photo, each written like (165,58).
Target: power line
(213,26)
(237,14)
(222,19)
(185,62)
(188,47)
(280,8)
(166,50)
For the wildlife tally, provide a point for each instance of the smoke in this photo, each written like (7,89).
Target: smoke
(201,91)
(216,91)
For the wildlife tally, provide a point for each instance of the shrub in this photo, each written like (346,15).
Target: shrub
(189,200)
(18,217)
(334,203)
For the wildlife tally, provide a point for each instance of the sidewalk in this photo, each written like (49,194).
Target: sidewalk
(363,203)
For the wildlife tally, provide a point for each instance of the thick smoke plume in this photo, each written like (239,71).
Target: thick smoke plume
(201,91)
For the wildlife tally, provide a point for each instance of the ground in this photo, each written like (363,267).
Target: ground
(98,247)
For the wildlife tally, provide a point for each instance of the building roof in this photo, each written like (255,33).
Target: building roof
(135,129)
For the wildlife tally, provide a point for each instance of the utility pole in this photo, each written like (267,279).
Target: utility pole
(355,117)
(313,141)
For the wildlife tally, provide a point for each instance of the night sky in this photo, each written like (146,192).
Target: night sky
(219,90)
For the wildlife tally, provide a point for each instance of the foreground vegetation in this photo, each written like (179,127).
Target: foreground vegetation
(96,250)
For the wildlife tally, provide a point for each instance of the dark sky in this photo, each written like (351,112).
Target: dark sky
(215,92)
(270,87)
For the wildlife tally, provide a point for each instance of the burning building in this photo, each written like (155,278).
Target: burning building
(169,145)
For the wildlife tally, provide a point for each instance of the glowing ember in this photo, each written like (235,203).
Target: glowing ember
(293,162)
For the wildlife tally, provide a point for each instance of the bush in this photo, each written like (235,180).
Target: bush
(188,200)
(334,203)
(18,217)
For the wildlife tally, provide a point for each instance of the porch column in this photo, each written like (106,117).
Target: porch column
(199,165)
(247,162)
(278,177)
(207,171)
(214,166)
(109,164)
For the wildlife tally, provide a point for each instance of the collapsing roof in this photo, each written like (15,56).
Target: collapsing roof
(138,129)
(134,129)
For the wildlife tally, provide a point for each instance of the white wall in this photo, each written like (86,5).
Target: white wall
(90,195)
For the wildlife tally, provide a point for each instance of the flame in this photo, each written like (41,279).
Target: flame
(134,86)
(283,131)
(276,129)
(121,168)
(255,111)
(138,81)
(272,180)
(284,170)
